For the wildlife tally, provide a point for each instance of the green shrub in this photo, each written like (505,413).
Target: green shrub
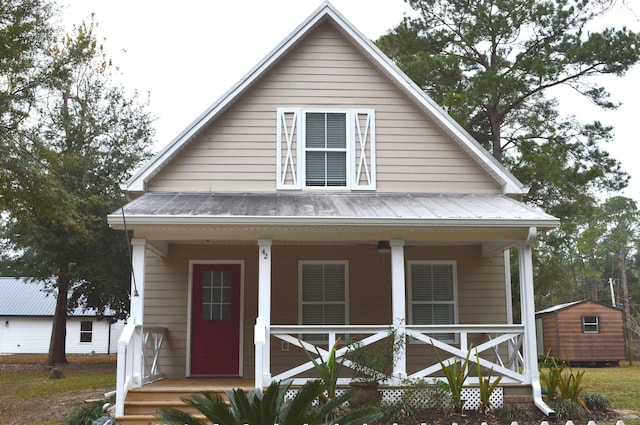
(267,408)
(485,386)
(456,373)
(87,413)
(597,402)
(568,409)
(329,370)
(418,396)
(513,412)
(563,384)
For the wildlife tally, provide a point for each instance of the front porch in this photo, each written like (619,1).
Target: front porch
(500,352)
(277,354)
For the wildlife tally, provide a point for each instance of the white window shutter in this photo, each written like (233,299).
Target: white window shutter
(363,149)
(289,148)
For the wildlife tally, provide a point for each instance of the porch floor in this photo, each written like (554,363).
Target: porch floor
(197,384)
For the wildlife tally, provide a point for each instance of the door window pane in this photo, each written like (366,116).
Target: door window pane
(216,295)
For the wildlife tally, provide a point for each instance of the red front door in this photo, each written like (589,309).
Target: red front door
(215,320)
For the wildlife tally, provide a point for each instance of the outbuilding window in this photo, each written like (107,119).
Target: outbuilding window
(590,324)
(86,331)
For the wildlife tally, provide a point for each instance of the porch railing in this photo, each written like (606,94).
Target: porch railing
(498,347)
(138,360)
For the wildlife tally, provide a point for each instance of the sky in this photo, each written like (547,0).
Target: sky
(185,55)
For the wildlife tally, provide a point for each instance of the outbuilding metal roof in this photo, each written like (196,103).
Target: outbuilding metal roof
(332,208)
(21,297)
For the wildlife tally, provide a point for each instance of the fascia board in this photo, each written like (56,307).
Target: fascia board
(328,221)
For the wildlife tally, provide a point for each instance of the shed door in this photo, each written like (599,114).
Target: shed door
(215,321)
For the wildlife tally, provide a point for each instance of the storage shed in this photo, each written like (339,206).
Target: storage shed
(582,332)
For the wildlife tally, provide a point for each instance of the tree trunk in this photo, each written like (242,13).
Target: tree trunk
(496,132)
(57,345)
(627,302)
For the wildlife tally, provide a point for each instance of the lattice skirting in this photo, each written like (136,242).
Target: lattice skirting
(395,395)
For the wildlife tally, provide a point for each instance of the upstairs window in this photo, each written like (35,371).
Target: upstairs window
(325,149)
(590,324)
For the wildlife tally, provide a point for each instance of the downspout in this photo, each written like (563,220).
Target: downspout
(528,318)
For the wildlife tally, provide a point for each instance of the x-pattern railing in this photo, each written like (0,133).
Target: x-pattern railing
(499,349)
(503,343)
(292,335)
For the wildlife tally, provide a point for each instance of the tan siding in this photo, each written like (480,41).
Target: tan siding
(480,290)
(237,153)
(166,297)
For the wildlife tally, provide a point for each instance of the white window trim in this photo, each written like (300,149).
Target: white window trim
(455,290)
(360,149)
(90,333)
(347,149)
(301,263)
(596,324)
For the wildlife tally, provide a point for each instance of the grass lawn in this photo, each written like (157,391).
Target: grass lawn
(28,396)
(620,384)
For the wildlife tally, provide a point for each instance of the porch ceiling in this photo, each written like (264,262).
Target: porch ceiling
(309,217)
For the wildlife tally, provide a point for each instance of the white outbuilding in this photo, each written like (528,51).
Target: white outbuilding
(26,320)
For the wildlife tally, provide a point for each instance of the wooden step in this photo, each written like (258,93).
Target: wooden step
(143,403)
(146,420)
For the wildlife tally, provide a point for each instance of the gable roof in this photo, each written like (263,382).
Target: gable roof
(22,297)
(560,307)
(327,13)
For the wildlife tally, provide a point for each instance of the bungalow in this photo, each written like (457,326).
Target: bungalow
(323,195)
(26,320)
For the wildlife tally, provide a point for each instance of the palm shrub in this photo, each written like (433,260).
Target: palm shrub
(485,386)
(455,373)
(564,388)
(266,408)
(87,413)
(329,370)
(570,386)
(550,379)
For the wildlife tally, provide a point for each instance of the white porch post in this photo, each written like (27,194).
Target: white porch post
(398,303)
(136,311)
(509,301)
(507,286)
(263,321)
(527,310)
(530,351)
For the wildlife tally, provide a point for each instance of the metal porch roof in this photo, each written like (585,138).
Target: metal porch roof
(332,208)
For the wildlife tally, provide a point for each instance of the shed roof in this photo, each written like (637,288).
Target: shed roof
(22,297)
(571,304)
(332,208)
